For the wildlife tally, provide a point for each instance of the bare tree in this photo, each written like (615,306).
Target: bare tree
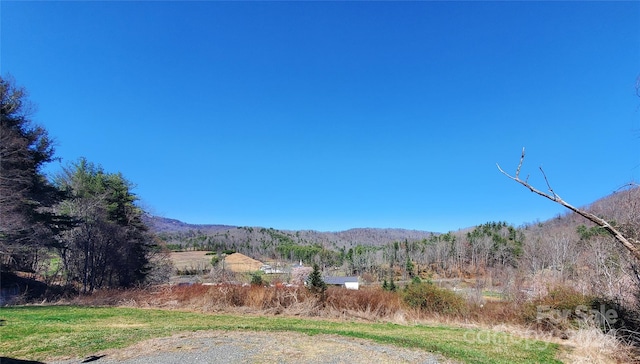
(629,243)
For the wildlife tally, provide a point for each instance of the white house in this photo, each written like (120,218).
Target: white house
(346,282)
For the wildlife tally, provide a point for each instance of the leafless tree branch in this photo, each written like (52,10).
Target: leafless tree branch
(628,243)
(548,184)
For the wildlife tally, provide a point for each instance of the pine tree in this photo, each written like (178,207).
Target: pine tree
(392,286)
(315,283)
(27,222)
(110,246)
(409,266)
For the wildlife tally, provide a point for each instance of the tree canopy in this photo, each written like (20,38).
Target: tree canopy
(87,216)
(110,246)
(27,220)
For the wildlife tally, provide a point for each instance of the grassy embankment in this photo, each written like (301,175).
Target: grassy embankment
(43,332)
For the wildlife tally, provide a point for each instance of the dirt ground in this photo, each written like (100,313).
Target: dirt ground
(259,347)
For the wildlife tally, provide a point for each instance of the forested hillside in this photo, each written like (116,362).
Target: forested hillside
(159,224)
(195,235)
(327,248)
(566,248)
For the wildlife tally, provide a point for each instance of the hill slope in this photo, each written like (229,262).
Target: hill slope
(159,224)
(178,232)
(622,207)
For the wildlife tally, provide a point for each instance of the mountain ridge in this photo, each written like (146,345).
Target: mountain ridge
(159,224)
(177,231)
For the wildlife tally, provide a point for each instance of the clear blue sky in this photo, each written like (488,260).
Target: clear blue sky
(334,115)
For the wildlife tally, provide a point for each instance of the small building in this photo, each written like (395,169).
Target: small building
(269,269)
(346,282)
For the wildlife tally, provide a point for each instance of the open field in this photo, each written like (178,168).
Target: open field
(200,261)
(48,332)
(191,260)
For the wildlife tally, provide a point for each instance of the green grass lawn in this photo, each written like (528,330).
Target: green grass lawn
(41,332)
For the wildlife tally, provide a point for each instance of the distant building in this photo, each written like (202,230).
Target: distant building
(346,282)
(268,269)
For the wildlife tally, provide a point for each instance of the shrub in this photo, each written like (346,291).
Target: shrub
(566,298)
(559,309)
(431,298)
(256,279)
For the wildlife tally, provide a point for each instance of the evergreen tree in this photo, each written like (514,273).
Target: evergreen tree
(110,246)
(315,283)
(392,286)
(409,267)
(27,222)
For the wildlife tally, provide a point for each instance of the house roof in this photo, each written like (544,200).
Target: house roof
(340,280)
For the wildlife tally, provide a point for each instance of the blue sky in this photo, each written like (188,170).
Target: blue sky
(335,115)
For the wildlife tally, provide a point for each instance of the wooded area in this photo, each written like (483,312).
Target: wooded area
(86,217)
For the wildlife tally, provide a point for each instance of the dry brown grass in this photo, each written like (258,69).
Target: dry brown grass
(367,304)
(591,345)
(497,311)
(240,263)
(191,261)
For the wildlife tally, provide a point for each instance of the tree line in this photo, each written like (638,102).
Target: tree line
(491,245)
(562,250)
(84,223)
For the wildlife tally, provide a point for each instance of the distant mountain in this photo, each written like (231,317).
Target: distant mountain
(615,207)
(177,231)
(159,224)
(610,207)
(362,236)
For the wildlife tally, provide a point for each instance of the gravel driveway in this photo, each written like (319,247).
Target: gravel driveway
(258,347)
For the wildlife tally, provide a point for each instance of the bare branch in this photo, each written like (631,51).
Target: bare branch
(520,165)
(555,196)
(628,243)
